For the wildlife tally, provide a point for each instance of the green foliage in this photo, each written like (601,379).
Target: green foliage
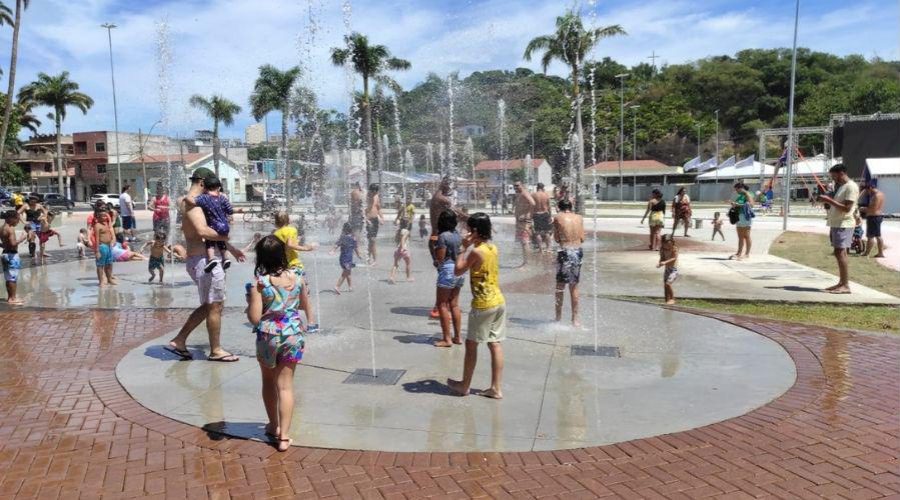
(12,175)
(262,152)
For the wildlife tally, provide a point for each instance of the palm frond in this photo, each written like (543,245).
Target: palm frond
(6,15)
(539,43)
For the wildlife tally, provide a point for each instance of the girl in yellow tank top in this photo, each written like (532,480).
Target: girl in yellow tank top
(484,280)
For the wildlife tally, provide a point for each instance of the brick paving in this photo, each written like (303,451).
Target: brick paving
(67,429)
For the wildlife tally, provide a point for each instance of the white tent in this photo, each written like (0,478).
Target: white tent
(734,172)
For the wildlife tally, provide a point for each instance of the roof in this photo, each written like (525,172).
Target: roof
(883,166)
(187,158)
(632,167)
(750,171)
(507,164)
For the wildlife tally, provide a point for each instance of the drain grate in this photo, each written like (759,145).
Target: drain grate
(601,350)
(383,376)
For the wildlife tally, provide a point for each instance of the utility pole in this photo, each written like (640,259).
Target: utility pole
(698,140)
(653,57)
(634,151)
(621,78)
(717,149)
(112,74)
(143,167)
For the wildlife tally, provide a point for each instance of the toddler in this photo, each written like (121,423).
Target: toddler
(668,256)
(348,245)
(83,242)
(717,226)
(158,252)
(423,227)
(402,251)
(217,210)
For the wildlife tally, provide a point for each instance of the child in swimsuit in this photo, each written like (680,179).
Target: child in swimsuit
(274,303)
(402,251)
(45,232)
(158,252)
(347,244)
(9,259)
(82,243)
(104,237)
(717,226)
(668,256)
(423,227)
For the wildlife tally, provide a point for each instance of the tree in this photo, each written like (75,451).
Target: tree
(371,62)
(57,92)
(221,110)
(14,55)
(570,44)
(272,92)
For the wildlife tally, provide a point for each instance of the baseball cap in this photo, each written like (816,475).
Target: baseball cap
(201,173)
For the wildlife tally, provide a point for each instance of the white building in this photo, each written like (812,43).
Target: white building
(255,133)
(492,172)
(885,172)
(157,168)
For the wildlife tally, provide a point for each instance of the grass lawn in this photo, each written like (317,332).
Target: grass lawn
(873,318)
(813,250)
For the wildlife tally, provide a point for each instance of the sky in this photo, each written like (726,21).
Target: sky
(216,46)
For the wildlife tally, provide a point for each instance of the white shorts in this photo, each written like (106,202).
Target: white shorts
(487,325)
(211,285)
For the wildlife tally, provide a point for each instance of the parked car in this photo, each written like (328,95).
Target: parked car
(39,196)
(111,200)
(58,200)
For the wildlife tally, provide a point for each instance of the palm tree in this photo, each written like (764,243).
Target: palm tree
(57,92)
(370,61)
(14,55)
(570,43)
(272,92)
(221,110)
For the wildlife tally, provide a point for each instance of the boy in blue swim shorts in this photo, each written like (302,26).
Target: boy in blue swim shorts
(9,259)
(104,237)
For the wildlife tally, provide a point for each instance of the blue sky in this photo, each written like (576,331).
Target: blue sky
(217,45)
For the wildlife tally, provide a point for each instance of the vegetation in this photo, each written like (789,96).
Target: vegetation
(57,92)
(221,110)
(872,318)
(813,250)
(372,63)
(272,92)
(16,23)
(571,44)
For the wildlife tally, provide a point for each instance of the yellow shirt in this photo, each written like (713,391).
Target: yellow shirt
(410,212)
(286,234)
(485,280)
(836,216)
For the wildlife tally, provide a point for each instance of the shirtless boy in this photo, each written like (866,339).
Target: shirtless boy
(104,237)
(374,218)
(874,218)
(543,222)
(525,205)
(568,231)
(10,257)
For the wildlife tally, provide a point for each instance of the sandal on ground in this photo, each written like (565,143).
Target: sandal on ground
(181,353)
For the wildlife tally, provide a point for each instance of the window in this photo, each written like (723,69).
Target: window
(48,167)
(81,148)
(100,147)
(237,185)
(101,169)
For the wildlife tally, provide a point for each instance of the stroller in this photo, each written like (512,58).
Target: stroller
(858,244)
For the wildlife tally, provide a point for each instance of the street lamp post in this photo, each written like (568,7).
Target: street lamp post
(112,74)
(634,108)
(790,141)
(717,150)
(621,78)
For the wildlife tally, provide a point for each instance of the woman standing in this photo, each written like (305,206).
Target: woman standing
(274,302)
(160,206)
(743,205)
(656,207)
(681,209)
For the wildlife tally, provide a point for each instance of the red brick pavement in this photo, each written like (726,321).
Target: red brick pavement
(67,428)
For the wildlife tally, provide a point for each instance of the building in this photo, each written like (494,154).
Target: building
(95,154)
(255,134)
(885,172)
(37,158)
(492,172)
(638,178)
(177,167)
(471,130)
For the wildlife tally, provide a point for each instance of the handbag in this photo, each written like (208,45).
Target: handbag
(734,215)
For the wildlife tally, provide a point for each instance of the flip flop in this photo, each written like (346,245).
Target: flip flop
(839,292)
(227,358)
(181,353)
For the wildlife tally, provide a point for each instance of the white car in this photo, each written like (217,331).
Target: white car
(111,200)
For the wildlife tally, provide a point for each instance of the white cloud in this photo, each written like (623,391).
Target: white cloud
(218,44)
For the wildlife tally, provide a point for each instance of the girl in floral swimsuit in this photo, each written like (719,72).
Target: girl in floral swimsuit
(274,305)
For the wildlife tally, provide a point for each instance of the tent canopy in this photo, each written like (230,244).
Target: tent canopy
(883,167)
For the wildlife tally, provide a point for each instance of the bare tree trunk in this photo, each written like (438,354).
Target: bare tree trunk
(11,88)
(579,150)
(284,156)
(59,160)
(216,147)
(370,153)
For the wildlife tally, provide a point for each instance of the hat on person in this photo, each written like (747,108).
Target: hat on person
(201,173)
